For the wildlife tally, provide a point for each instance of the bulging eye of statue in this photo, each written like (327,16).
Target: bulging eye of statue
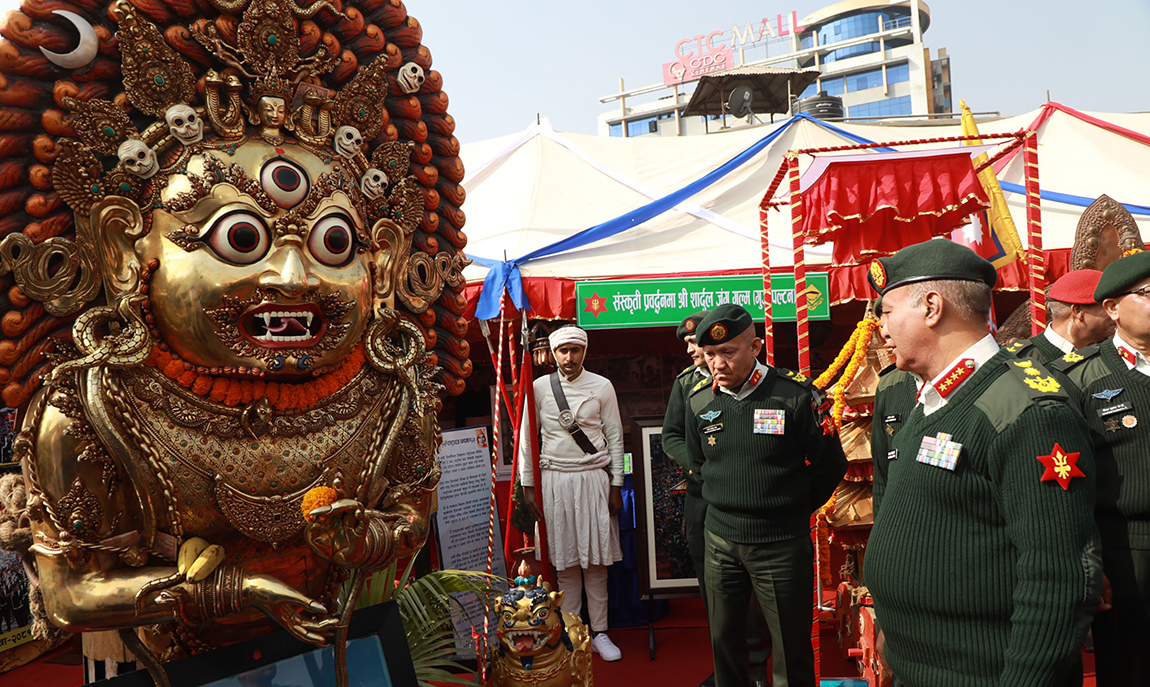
(285,182)
(332,240)
(239,237)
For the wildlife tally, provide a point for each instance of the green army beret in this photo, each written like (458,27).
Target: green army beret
(722,324)
(1122,274)
(687,326)
(937,259)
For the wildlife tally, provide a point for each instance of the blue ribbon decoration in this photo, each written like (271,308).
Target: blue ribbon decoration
(503,275)
(1069,199)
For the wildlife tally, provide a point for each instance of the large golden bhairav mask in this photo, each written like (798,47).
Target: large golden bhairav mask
(231,279)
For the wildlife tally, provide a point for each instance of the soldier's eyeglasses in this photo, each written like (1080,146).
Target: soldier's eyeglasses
(1144,291)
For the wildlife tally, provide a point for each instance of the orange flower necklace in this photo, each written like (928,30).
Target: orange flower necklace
(283,396)
(855,352)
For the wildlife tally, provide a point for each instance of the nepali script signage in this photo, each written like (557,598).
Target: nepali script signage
(616,303)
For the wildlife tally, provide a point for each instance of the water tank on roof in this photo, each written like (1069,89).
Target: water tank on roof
(821,106)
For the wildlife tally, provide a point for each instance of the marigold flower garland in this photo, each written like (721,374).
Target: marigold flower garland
(855,351)
(282,396)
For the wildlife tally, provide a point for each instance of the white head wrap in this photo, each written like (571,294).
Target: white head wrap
(568,334)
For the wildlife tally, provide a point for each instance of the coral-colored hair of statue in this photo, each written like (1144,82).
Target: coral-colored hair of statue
(317,497)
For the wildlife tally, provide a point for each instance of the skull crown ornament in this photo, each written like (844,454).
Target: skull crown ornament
(227,381)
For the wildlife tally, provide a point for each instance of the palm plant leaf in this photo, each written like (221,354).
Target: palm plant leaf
(426,606)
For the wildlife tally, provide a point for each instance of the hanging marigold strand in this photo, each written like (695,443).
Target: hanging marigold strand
(234,392)
(861,341)
(844,354)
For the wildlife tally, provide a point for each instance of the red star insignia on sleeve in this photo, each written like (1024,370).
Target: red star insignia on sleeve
(595,304)
(1061,466)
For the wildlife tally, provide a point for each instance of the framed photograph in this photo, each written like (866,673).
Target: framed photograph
(377,656)
(665,567)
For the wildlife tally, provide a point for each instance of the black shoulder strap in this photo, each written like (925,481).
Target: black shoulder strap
(1019,346)
(1039,383)
(1072,358)
(796,377)
(701,395)
(567,418)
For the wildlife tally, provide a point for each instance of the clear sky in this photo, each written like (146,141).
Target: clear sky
(505,61)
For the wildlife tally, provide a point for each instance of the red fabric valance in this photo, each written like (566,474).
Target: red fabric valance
(871,208)
(849,282)
(553,298)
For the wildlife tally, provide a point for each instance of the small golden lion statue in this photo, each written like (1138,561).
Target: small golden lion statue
(539,645)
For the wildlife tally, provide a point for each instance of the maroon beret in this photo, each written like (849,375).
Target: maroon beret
(1075,287)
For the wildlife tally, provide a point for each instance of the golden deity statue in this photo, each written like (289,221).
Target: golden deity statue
(540,645)
(231,281)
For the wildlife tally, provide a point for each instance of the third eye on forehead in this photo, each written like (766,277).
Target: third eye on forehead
(285,182)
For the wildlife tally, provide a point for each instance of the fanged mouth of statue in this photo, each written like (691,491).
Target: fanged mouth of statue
(276,325)
(528,640)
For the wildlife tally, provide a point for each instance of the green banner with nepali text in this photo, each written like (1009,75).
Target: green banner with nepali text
(616,303)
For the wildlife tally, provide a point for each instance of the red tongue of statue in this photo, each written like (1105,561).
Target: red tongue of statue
(289,326)
(524,643)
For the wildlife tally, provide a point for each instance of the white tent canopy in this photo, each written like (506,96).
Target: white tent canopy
(531,189)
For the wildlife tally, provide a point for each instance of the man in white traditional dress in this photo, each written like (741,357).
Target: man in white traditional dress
(581,469)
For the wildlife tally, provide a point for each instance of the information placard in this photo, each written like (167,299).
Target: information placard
(463,517)
(617,303)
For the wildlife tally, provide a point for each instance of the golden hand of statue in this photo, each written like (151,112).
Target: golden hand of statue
(349,535)
(305,618)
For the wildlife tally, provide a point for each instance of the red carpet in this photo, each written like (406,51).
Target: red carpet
(44,673)
(682,646)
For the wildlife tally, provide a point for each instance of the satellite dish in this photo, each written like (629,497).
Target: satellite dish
(739,102)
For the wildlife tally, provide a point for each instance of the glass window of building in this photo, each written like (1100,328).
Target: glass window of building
(854,26)
(834,86)
(861,81)
(638,127)
(616,130)
(898,73)
(882,108)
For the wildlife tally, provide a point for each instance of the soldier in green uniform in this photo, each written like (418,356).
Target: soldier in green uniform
(983,561)
(1076,320)
(694,507)
(756,440)
(1110,383)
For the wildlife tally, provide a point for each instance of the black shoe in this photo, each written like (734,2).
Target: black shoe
(709,681)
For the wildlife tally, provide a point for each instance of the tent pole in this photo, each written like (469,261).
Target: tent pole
(765,242)
(769,330)
(800,266)
(1034,236)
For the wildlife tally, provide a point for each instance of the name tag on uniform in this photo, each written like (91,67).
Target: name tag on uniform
(892,454)
(890,419)
(717,427)
(1112,409)
(939,451)
(769,421)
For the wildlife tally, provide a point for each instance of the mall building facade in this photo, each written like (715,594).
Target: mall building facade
(871,54)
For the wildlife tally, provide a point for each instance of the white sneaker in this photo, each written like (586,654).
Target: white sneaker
(602,645)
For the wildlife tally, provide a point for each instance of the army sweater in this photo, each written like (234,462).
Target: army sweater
(1116,404)
(674,425)
(765,462)
(986,574)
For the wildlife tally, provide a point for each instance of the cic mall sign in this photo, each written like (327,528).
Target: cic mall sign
(705,53)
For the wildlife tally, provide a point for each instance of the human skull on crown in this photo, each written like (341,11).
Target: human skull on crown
(237,409)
